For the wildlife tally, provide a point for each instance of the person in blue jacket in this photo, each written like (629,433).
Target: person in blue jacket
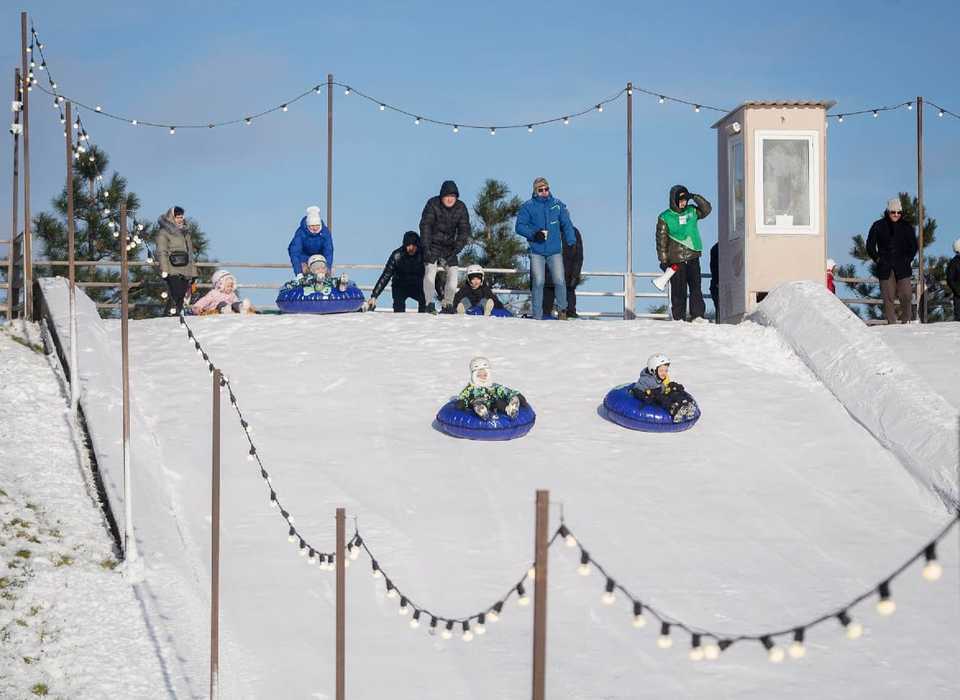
(311,238)
(544,221)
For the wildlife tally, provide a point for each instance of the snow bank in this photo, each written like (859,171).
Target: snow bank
(889,398)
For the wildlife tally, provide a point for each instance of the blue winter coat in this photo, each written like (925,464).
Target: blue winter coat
(545,213)
(304,244)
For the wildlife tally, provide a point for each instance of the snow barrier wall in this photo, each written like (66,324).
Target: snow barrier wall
(902,411)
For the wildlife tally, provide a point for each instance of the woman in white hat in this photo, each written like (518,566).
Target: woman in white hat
(312,237)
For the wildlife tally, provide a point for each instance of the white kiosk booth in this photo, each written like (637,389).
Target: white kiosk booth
(772,200)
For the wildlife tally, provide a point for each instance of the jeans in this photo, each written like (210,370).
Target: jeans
(538,265)
(430,278)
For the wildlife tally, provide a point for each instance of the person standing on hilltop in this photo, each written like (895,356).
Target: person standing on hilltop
(679,246)
(444,232)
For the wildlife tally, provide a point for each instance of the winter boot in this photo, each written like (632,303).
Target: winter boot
(562,315)
(513,407)
(343,282)
(461,309)
(481,410)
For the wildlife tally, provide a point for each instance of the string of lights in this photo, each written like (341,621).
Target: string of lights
(706,644)
(941,111)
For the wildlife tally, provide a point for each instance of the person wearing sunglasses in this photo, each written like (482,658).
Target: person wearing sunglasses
(892,245)
(545,222)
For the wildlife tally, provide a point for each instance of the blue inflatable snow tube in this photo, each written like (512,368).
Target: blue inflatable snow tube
(499,313)
(294,301)
(466,424)
(623,408)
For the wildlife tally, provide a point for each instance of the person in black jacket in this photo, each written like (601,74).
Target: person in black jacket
(715,279)
(572,265)
(953,279)
(476,292)
(405,268)
(892,245)
(444,231)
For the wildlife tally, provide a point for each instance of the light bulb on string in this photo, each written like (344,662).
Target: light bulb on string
(382,107)
(932,570)
(283,108)
(447,632)
(391,590)
(248,121)
(316,89)
(292,536)
(584,568)
(711,651)
(840,119)
(98,108)
(346,91)
(853,629)
(529,128)
(940,113)
(797,649)
(494,614)
(481,627)
(639,621)
(467,634)
(415,620)
(876,114)
(696,651)
(173,130)
(609,597)
(312,557)
(774,653)
(493,131)
(664,641)
(566,120)
(885,606)
(696,108)
(375,572)
(133,122)
(599,108)
(660,99)
(417,121)
(523,599)
(404,608)
(910,106)
(456,129)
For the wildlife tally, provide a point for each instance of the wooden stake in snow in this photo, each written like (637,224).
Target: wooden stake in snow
(540,596)
(215,543)
(130,554)
(341,692)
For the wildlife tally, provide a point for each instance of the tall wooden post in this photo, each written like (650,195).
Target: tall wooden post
(921,282)
(18,97)
(215,543)
(330,151)
(540,596)
(341,604)
(629,284)
(27,246)
(130,554)
(71,269)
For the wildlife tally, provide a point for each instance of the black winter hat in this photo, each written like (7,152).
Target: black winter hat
(678,192)
(411,237)
(449,187)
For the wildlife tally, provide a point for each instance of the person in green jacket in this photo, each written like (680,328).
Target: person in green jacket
(679,246)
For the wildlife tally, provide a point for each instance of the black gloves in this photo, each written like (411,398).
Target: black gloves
(540,236)
(664,266)
(676,386)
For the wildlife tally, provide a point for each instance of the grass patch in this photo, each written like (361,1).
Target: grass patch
(19,522)
(30,660)
(5,582)
(33,506)
(34,609)
(3,493)
(22,623)
(109,564)
(23,553)
(64,560)
(40,689)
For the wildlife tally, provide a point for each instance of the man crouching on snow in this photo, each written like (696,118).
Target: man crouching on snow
(484,397)
(654,386)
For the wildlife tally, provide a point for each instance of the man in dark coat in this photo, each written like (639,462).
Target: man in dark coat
(444,231)
(953,279)
(405,269)
(892,245)
(679,246)
(715,278)
(572,265)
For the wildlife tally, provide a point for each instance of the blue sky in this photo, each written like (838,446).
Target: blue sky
(493,62)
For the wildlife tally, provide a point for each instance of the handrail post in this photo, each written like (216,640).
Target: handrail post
(27,247)
(921,282)
(14,234)
(330,151)
(72,269)
(629,284)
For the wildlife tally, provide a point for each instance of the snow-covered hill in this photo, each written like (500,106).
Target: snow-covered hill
(775,508)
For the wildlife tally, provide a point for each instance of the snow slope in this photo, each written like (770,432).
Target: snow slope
(69,622)
(775,508)
(931,350)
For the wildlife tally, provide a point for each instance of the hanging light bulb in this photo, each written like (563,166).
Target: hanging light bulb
(584,568)
(774,653)
(523,599)
(664,641)
(599,108)
(355,553)
(910,106)
(885,606)
(382,107)
(173,130)
(376,568)
(43,65)
(696,651)
(163,295)
(248,121)
(494,614)
(404,608)
(467,634)
(133,122)
(840,119)
(415,620)
(660,99)
(481,627)
(417,121)
(284,108)
(98,108)
(346,91)
(876,114)
(940,113)
(447,632)
(797,650)
(493,131)
(312,558)
(456,129)
(570,540)
(696,108)
(639,621)
(532,573)
(609,597)
(853,629)
(391,591)
(292,535)
(711,651)
(529,128)
(932,571)
(566,120)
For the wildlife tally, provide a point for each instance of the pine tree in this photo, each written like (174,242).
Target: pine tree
(934,268)
(96,204)
(492,240)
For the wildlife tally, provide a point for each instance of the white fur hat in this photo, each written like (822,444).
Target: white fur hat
(313,216)
(894,205)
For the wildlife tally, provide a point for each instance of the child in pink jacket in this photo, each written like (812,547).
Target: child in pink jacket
(222,298)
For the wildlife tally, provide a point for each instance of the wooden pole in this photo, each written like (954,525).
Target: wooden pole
(341,604)
(129,540)
(27,247)
(629,284)
(215,544)
(17,96)
(921,283)
(72,270)
(540,596)
(330,151)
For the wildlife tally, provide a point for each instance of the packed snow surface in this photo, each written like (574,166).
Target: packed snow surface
(776,508)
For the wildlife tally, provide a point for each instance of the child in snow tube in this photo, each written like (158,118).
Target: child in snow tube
(486,411)
(222,297)
(315,293)
(653,402)
(476,294)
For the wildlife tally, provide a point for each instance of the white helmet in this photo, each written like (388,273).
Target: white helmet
(475,270)
(656,360)
(956,245)
(316,260)
(477,364)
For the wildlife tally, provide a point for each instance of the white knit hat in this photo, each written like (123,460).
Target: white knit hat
(894,205)
(221,275)
(313,216)
(831,263)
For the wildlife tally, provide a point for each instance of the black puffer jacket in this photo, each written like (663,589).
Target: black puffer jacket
(572,262)
(670,251)
(892,245)
(953,276)
(405,270)
(444,231)
(475,297)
